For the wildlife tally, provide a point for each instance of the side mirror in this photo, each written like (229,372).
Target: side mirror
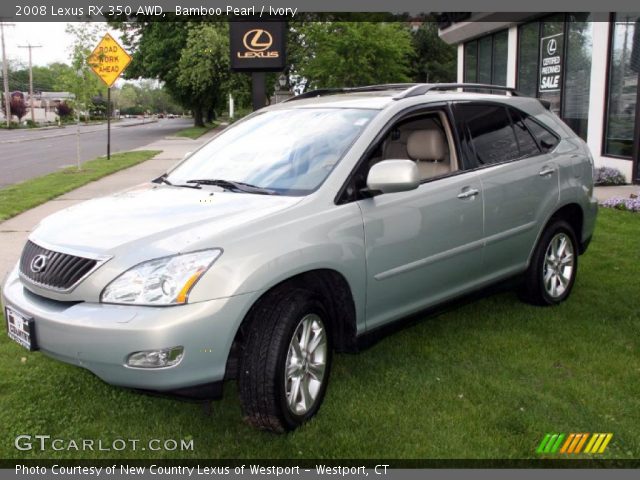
(391,176)
(186,155)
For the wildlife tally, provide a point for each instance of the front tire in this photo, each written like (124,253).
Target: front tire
(285,361)
(554,264)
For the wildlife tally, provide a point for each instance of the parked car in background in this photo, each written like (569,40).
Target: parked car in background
(301,230)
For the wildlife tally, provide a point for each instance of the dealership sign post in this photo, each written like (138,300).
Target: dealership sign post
(258,47)
(108,60)
(551,63)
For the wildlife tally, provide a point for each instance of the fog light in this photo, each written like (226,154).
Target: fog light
(167,357)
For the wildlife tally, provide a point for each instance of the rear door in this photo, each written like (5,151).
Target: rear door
(520,181)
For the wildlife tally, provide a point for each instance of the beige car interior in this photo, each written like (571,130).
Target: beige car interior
(427,140)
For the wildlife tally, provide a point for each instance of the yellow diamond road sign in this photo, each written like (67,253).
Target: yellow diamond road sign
(109,60)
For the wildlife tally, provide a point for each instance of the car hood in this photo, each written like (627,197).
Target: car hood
(152,213)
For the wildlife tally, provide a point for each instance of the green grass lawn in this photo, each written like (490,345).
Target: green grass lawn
(484,380)
(22,196)
(196,132)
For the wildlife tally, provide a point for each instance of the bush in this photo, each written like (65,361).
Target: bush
(31,124)
(605,176)
(64,111)
(631,204)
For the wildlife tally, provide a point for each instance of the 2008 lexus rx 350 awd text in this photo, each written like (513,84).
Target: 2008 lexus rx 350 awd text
(298,231)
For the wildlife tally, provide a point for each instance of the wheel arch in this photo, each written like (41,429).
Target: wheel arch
(336,294)
(573,214)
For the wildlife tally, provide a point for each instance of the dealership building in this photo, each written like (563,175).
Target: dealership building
(585,65)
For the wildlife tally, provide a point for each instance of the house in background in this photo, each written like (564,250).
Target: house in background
(585,65)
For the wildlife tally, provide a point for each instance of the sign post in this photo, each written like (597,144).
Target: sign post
(258,47)
(108,60)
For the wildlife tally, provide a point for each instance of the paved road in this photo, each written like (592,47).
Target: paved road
(27,154)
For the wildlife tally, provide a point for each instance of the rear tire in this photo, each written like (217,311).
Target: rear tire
(554,264)
(285,361)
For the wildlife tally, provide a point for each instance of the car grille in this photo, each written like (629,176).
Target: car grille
(61,271)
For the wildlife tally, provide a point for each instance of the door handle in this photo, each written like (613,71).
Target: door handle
(472,192)
(546,171)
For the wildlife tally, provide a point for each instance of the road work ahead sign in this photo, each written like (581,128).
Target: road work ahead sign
(109,60)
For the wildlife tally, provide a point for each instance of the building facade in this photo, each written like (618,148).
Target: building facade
(586,65)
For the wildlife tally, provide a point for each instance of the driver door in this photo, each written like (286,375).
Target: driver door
(422,246)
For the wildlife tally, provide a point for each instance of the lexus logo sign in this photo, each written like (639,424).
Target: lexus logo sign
(552,46)
(39,263)
(257,40)
(257,46)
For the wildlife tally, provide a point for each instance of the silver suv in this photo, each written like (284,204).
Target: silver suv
(303,230)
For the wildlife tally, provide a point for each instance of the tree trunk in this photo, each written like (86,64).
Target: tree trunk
(197,116)
(211,115)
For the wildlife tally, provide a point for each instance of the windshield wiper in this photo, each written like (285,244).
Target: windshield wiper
(234,186)
(163,179)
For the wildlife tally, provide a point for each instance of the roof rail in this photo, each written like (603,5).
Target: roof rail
(424,88)
(321,92)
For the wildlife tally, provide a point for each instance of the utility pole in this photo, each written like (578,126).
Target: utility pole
(5,74)
(31,47)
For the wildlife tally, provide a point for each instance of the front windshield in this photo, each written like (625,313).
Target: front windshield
(289,152)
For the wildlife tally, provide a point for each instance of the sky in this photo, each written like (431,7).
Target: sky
(51,35)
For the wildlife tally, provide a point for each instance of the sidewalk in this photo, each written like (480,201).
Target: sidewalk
(605,193)
(14,232)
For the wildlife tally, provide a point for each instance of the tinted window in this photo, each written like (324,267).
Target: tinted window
(545,138)
(527,144)
(491,133)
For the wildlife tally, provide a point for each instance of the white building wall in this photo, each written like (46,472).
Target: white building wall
(512,59)
(460,63)
(597,99)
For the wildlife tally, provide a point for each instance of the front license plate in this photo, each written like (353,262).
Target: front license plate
(21,329)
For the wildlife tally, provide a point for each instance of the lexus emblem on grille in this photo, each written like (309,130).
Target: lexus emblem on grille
(39,263)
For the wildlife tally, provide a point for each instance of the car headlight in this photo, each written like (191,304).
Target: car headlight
(162,281)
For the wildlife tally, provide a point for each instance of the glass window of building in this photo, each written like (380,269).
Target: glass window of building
(575,101)
(471,62)
(554,64)
(485,59)
(485,48)
(528,56)
(499,58)
(624,65)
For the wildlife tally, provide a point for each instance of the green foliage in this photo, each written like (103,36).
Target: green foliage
(433,60)
(79,78)
(204,67)
(196,132)
(347,54)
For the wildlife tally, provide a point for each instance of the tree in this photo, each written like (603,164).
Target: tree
(434,60)
(347,54)
(80,79)
(17,105)
(157,47)
(204,69)
(64,110)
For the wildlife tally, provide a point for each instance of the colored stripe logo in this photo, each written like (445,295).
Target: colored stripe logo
(574,443)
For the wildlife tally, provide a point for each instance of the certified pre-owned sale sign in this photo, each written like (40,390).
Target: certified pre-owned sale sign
(551,63)
(257,46)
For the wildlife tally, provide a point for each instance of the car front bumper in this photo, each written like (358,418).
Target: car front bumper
(100,337)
